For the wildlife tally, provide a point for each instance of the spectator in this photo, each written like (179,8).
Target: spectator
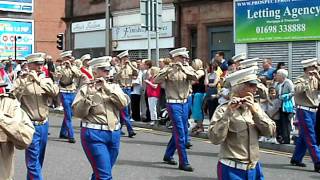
(5,78)
(153,93)
(268,70)
(147,66)
(222,62)
(211,81)
(273,110)
(162,102)
(199,90)
(280,65)
(285,89)
(136,92)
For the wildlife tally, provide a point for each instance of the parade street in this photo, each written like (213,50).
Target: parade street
(140,158)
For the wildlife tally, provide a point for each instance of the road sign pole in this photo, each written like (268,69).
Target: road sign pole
(149,9)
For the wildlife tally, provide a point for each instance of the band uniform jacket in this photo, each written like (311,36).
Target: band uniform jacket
(125,74)
(306,91)
(100,106)
(34,96)
(16,131)
(177,80)
(69,76)
(238,132)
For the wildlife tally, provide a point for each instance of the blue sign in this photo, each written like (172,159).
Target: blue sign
(17,5)
(20,31)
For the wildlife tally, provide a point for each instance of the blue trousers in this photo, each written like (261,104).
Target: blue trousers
(125,113)
(34,154)
(307,136)
(229,173)
(190,102)
(102,149)
(66,127)
(179,115)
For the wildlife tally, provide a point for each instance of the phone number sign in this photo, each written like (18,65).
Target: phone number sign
(276,20)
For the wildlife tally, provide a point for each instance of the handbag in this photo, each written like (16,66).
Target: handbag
(287,104)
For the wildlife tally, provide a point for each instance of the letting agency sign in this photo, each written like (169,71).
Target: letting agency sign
(276,20)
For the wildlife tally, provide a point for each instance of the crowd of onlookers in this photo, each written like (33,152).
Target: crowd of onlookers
(148,103)
(210,91)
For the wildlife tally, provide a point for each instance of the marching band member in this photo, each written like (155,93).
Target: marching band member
(124,79)
(33,91)
(98,104)
(177,79)
(67,74)
(237,125)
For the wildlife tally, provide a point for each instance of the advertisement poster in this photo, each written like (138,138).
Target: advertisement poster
(276,20)
(17,5)
(23,31)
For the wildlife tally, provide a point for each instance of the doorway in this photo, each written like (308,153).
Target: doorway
(221,39)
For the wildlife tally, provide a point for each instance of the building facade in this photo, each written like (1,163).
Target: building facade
(205,27)
(48,24)
(30,24)
(86,28)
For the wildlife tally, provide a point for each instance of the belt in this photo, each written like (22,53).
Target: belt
(99,126)
(176,101)
(39,123)
(125,87)
(67,91)
(308,108)
(237,165)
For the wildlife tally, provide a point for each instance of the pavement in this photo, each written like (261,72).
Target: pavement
(140,158)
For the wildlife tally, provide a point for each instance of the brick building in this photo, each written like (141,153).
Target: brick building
(189,23)
(86,28)
(205,27)
(47,18)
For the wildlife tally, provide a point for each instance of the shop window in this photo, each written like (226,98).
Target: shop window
(193,44)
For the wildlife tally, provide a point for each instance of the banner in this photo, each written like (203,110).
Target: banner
(23,31)
(276,20)
(17,5)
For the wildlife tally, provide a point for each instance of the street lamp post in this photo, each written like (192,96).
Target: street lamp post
(15,46)
(107,28)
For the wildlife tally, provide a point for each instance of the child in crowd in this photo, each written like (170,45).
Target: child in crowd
(273,110)
(153,93)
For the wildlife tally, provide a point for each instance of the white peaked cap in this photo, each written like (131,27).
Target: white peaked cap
(36,57)
(66,54)
(243,76)
(123,54)
(309,62)
(85,57)
(180,52)
(101,62)
(249,63)
(239,57)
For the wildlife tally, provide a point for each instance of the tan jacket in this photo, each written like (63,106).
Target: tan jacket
(177,81)
(124,75)
(16,130)
(238,132)
(100,106)
(34,96)
(306,91)
(69,77)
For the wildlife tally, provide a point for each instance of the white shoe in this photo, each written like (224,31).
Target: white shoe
(132,120)
(152,123)
(60,108)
